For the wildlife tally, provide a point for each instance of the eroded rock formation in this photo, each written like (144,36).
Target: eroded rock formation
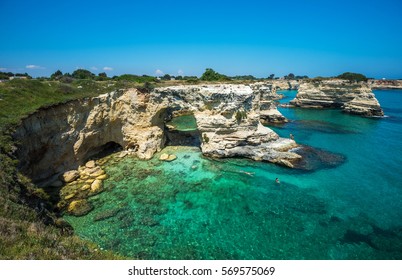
(386,84)
(351,97)
(63,137)
(268,111)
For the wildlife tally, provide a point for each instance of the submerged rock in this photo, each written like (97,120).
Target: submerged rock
(164,157)
(313,158)
(167,157)
(79,207)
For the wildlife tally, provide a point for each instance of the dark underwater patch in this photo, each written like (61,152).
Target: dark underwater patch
(315,159)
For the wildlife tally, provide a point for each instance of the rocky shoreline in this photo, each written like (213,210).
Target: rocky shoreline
(229,120)
(63,137)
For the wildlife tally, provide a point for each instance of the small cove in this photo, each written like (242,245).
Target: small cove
(199,208)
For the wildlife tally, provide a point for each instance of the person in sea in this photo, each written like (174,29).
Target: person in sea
(277,181)
(291,136)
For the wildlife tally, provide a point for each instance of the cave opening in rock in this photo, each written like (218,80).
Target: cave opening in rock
(182,130)
(103,150)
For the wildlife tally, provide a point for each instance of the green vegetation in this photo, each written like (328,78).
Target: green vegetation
(211,75)
(8,75)
(356,77)
(83,74)
(244,78)
(135,78)
(240,115)
(56,75)
(205,138)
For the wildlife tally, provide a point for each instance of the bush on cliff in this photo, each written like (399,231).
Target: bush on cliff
(135,78)
(211,75)
(83,74)
(353,77)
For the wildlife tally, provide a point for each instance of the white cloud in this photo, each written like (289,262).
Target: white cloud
(180,72)
(107,68)
(94,68)
(31,66)
(3,69)
(159,72)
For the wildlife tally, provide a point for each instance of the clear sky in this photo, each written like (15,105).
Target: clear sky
(314,38)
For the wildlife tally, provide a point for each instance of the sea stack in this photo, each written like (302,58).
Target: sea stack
(352,97)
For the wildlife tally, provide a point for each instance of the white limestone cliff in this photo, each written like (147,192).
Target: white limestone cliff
(351,97)
(64,136)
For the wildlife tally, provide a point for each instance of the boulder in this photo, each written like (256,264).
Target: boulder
(85,187)
(167,157)
(69,196)
(171,158)
(90,164)
(101,177)
(69,176)
(96,186)
(164,157)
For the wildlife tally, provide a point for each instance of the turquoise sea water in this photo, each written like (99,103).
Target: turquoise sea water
(198,208)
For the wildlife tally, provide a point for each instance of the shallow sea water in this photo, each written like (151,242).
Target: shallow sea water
(198,208)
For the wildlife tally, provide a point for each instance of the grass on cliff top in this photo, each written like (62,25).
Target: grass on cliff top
(18,98)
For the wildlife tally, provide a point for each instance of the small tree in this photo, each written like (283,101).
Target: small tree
(166,77)
(101,76)
(290,76)
(56,75)
(211,75)
(83,74)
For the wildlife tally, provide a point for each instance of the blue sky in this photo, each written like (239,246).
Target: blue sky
(260,38)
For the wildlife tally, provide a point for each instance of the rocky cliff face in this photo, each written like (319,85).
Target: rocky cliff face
(268,111)
(351,97)
(386,84)
(62,137)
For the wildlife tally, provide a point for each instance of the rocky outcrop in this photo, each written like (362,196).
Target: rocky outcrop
(385,84)
(351,97)
(228,121)
(269,113)
(286,84)
(65,136)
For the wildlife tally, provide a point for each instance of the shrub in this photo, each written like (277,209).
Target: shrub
(205,137)
(211,75)
(353,77)
(83,74)
(240,115)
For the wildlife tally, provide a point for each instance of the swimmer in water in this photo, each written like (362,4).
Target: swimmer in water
(277,181)
(248,173)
